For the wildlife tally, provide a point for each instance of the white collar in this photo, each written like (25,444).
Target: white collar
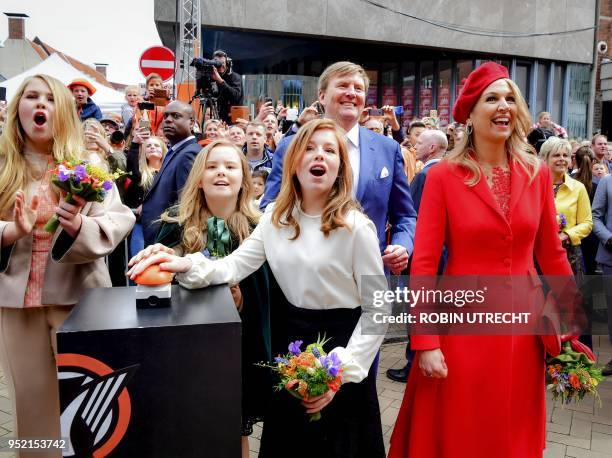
(178,145)
(432,161)
(353,135)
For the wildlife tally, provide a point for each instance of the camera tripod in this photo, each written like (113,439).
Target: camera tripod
(206,102)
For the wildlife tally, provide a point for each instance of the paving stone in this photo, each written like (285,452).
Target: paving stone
(392,394)
(557,428)
(575,452)
(601,442)
(389,416)
(599,428)
(384,402)
(562,416)
(568,440)
(581,429)
(554,450)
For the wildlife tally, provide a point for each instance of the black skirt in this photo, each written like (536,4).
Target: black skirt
(350,424)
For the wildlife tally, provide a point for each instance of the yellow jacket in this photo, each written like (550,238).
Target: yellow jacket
(572,200)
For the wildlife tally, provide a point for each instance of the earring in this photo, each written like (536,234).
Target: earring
(469,128)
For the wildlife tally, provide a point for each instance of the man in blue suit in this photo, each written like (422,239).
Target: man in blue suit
(164,192)
(602,227)
(380,183)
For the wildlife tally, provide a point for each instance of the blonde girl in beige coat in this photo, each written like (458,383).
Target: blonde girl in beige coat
(43,275)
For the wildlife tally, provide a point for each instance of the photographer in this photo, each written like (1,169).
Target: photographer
(228,83)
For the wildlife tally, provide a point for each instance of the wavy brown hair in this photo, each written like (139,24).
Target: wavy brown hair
(520,151)
(585,167)
(15,173)
(192,211)
(339,200)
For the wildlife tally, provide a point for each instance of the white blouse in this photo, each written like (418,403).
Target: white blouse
(314,272)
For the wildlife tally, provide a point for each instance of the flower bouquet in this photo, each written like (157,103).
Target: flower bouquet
(81,179)
(561,221)
(308,373)
(573,374)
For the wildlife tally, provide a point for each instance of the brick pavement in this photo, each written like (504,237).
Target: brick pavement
(576,431)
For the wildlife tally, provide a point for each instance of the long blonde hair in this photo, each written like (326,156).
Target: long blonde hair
(519,150)
(193,211)
(147,173)
(67,139)
(340,200)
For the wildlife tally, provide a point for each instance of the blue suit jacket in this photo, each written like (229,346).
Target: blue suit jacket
(164,191)
(602,219)
(383,198)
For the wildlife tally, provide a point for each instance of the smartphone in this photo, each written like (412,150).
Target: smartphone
(146,106)
(399,110)
(376,112)
(144,124)
(269,100)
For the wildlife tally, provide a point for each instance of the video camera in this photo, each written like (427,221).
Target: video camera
(204,82)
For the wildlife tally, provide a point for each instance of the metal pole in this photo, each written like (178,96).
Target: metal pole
(591,112)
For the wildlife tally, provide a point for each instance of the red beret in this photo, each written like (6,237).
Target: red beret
(476,83)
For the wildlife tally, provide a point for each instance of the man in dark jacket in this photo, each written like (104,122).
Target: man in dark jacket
(229,84)
(258,155)
(178,122)
(82,90)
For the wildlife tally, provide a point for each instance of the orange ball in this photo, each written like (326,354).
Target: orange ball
(153,276)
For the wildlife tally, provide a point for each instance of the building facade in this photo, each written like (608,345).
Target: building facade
(416,53)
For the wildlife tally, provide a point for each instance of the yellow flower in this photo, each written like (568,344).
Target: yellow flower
(594,382)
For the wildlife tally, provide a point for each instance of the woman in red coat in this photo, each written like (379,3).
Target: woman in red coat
(492,204)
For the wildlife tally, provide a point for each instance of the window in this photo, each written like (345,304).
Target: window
(372,97)
(408,80)
(557,99)
(444,92)
(542,87)
(389,85)
(464,68)
(577,105)
(523,78)
(426,88)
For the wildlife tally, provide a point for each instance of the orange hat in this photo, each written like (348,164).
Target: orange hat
(91,90)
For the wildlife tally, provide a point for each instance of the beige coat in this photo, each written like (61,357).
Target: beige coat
(73,264)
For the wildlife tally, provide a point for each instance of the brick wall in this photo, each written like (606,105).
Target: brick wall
(604,33)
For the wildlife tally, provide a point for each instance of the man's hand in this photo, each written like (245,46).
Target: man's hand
(141,135)
(308,114)
(395,258)
(216,76)
(265,110)
(389,112)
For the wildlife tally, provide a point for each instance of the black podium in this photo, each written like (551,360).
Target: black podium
(151,383)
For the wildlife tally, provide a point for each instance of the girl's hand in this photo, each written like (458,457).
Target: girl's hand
(237,296)
(148,252)
(166,261)
(70,215)
(431,363)
(24,216)
(316,404)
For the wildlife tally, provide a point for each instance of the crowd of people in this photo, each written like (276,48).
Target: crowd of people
(312,207)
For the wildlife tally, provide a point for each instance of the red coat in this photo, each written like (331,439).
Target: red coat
(492,403)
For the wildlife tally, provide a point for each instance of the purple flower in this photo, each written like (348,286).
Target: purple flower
(294,347)
(331,363)
(64,173)
(107,185)
(80,172)
(281,360)
(315,352)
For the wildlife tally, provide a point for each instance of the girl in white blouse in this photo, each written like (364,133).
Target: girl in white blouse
(324,255)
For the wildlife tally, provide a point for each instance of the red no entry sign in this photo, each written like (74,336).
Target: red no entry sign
(157,59)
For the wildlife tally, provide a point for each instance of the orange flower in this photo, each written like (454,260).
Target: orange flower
(302,388)
(335,384)
(574,381)
(306,360)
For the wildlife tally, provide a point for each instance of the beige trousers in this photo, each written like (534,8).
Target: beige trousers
(27,354)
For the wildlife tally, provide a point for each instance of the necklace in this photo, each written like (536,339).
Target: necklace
(556,187)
